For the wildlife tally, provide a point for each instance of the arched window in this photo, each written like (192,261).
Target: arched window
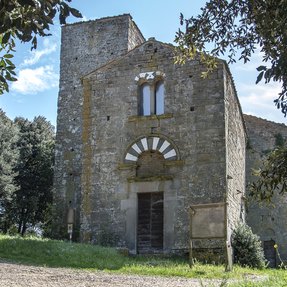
(159,98)
(151,98)
(145,99)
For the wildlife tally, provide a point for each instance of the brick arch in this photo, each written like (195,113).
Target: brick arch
(151,143)
(149,77)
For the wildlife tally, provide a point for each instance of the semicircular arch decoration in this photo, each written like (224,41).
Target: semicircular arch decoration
(151,143)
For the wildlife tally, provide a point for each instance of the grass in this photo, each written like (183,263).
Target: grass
(52,253)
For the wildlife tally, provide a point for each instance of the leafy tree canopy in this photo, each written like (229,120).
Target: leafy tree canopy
(25,20)
(240,27)
(26,172)
(9,155)
(272,176)
(34,171)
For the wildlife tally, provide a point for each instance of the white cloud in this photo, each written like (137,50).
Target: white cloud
(259,94)
(36,55)
(258,100)
(32,81)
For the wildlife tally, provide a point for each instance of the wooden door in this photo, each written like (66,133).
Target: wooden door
(150,223)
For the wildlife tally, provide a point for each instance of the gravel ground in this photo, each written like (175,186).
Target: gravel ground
(17,275)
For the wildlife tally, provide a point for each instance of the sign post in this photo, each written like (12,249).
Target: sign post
(70,222)
(208,222)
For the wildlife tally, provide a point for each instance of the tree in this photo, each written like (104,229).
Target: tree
(247,247)
(272,176)
(35,172)
(242,26)
(25,20)
(8,160)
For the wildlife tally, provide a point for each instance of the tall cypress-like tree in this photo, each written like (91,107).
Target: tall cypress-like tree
(8,160)
(35,172)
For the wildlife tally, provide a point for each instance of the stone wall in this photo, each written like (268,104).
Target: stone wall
(84,47)
(268,221)
(235,148)
(193,122)
(98,173)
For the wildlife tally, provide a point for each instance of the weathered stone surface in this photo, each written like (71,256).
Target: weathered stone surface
(268,221)
(85,47)
(107,153)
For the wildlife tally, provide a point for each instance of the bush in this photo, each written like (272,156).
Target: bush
(247,247)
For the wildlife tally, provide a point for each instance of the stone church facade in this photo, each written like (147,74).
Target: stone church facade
(148,153)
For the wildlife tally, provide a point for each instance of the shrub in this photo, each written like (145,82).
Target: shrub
(247,247)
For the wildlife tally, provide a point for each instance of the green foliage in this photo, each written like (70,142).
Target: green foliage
(26,172)
(279,140)
(55,253)
(231,27)
(25,20)
(248,144)
(265,152)
(282,264)
(8,160)
(247,247)
(35,171)
(272,176)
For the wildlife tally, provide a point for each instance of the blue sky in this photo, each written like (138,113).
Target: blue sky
(35,93)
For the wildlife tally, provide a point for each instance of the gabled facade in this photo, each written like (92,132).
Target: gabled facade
(149,154)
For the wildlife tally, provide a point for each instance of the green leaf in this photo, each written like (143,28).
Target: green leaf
(261,68)
(3,63)
(2,79)
(8,56)
(6,38)
(76,13)
(9,63)
(259,77)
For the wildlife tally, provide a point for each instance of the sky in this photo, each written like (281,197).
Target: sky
(35,93)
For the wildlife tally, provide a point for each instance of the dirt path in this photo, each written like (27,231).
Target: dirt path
(17,275)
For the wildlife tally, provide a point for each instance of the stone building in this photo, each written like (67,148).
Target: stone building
(266,220)
(148,153)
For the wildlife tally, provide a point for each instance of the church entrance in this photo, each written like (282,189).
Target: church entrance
(150,223)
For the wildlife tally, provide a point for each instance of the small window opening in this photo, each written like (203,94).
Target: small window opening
(145,99)
(108,118)
(152,99)
(159,98)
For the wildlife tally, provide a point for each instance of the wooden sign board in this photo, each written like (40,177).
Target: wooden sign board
(208,221)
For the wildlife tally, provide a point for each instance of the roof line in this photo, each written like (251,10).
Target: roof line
(99,19)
